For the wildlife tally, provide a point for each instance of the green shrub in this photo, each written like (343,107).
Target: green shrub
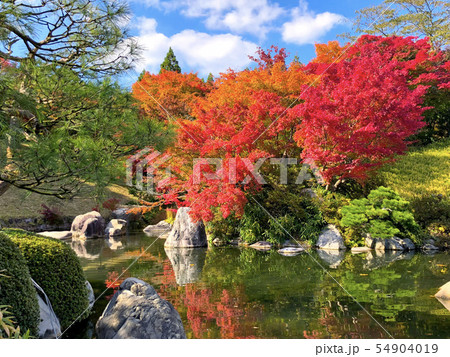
(383,214)
(290,211)
(225,229)
(16,289)
(56,268)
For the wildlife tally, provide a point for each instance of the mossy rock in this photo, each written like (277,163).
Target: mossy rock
(56,268)
(16,289)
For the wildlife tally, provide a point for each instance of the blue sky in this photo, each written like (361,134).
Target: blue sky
(212,36)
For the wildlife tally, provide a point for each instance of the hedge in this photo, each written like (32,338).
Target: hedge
(16,289)
(56,268)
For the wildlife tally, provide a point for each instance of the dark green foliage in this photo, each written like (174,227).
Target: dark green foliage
(225,229)
(210,78)
(56,268)
(170,62)
(433,213)
(383,214)
(16,289)
(292,215)
(437,118)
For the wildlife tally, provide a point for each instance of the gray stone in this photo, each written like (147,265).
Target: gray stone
(330,239)
(261,245)
(358,250)
(158,229)
(185,233)
(137,311)
(332,257)
(393,244)
(91,296)
(187,263)
(49,325)
(116,227)
(57,235)
(291,251)
(88,226)
(219,242)
(430,247)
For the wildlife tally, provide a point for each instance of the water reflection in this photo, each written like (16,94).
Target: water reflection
(87,249)
(187,263)
(243,293)
(333,258)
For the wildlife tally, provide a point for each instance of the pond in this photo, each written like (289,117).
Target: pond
(236,292)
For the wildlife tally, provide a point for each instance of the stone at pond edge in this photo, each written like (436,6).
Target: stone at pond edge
(185,233)
(49,326)
(330,239)
(137,311)
(261,245)
(57,234)
(393,243)
(291,251)
(358,250)
(116,227)
(89,225)
(91,296)
(159,228)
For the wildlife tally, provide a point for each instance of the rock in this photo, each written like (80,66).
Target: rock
(88,226)
(219,242)
(125,214)
(49,325)
(187,263)
(333,258)
(185,233)
(57,235)
(394,243)
(91,296)
(291,251)
(358,250)
(261,245)
(116,227)
(444,292)
(158,229)
(330,239)
(408,244)
(430,247)
(137,311)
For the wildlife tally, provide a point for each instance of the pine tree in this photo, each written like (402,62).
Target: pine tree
(170,63)
(210,78)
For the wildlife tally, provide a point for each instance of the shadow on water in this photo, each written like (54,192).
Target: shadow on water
(235,292)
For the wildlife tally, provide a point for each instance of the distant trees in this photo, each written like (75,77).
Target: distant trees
(422,18)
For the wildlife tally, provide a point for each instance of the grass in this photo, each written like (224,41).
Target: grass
(421,172)
(17,203)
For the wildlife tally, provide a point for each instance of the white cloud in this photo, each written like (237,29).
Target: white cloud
(238,16)
(306,27)
(200,51)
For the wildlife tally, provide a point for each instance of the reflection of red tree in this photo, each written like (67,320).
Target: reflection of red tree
(207,309)
(113,281)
